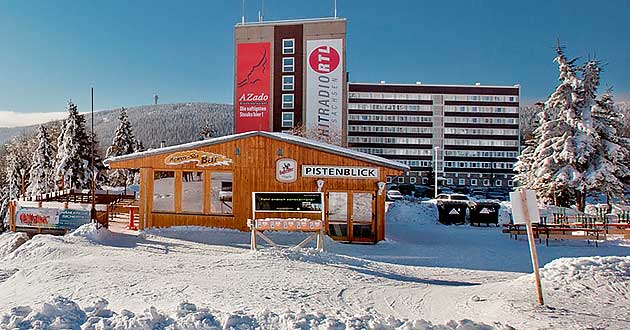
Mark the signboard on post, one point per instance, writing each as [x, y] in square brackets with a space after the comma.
[288, 202]
[525, 211]
[324, 90]
[253, 87]
[40, 217]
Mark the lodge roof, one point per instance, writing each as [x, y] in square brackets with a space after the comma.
[297, 140]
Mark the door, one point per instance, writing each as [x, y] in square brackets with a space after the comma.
[362, 219]
[338, 215]
[351, 216]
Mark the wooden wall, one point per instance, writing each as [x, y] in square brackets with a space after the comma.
[254, 169]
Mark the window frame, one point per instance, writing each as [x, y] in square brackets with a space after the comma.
[285, 49]
[288, 68]
[288, 87]
[285, 104]
[284, 120]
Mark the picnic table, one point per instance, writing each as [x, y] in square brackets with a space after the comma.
[558, 231]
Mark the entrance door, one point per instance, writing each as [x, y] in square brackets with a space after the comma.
[351, 216]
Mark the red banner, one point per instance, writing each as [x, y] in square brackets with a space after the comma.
[253, 86]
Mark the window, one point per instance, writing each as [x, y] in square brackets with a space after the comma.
[288, 64]
[388, 179]
[486, 182]
[510, 183]
[287, 83]
[221, 193]
[287, 101]
[288, 46]
[287, 119]
[449, 181]
[401, 179]
[412, 180]
[425, 180]
[192, 192]
[498, 183]
[461, 182]
[473, 182]
[164, 191]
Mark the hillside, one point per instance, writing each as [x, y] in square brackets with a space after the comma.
[173, 123]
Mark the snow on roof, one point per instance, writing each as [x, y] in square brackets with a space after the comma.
[333, 149]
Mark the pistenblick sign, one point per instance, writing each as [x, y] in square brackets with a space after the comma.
[348, 172]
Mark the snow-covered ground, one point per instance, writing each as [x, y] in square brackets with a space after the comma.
[423, 276]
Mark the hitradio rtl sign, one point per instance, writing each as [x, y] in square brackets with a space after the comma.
[324, 90]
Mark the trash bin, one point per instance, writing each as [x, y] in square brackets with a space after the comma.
[452, 212]
[485, 212]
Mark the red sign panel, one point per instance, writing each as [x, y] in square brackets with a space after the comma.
[253, 87]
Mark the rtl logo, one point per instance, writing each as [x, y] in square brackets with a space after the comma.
[324, 59]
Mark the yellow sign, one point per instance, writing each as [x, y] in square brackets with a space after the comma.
[202, 158]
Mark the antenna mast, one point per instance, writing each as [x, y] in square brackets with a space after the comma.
[335, 8]
[243, 13]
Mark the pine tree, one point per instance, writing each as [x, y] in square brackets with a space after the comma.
[73, 152]
[41, 178]
[564, 140]
[610, 171]
[124, 143]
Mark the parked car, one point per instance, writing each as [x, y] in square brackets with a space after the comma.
[407, 189]
[393, 195]
[456, 198]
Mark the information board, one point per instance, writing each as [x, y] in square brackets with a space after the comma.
[288, 202]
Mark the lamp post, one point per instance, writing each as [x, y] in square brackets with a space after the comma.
[435, 170]
[23, 172]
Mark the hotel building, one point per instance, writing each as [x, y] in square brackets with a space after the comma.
[472, 131]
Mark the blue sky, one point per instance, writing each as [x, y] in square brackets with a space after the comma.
[52, 51]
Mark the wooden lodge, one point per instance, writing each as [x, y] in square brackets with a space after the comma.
[225, 181]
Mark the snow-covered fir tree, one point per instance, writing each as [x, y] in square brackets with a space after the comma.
[73, 152]
[124, 143]
[609, 173]
[564, 142]
[41, 171]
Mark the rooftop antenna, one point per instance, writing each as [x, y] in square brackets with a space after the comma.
[243, 13]
[261, 13]
[335, 8]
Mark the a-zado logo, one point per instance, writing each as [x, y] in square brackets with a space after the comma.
[324, 59]
[254, 97]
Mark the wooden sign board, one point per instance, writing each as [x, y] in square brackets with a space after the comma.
[518, 207]
[288, 224]
[202, 158]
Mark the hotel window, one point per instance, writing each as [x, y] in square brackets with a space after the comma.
[510, 183]
[287, 83]
[449, 181]
[486, 182]
[462, 182]
[401, 179]
[287, 119]
[221, 192]
[288, 46]
[287, 101]
[388, 179]
[192, 192]
[425, 180]
[498, 183]
[473, 182]
[288, 64]
[412, 180]
[164, 191]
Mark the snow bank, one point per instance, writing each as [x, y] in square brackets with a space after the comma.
[606, 269]
[63, 313]
[412, 212]
[10, 241]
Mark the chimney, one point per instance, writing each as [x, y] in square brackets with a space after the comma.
[162, 144]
